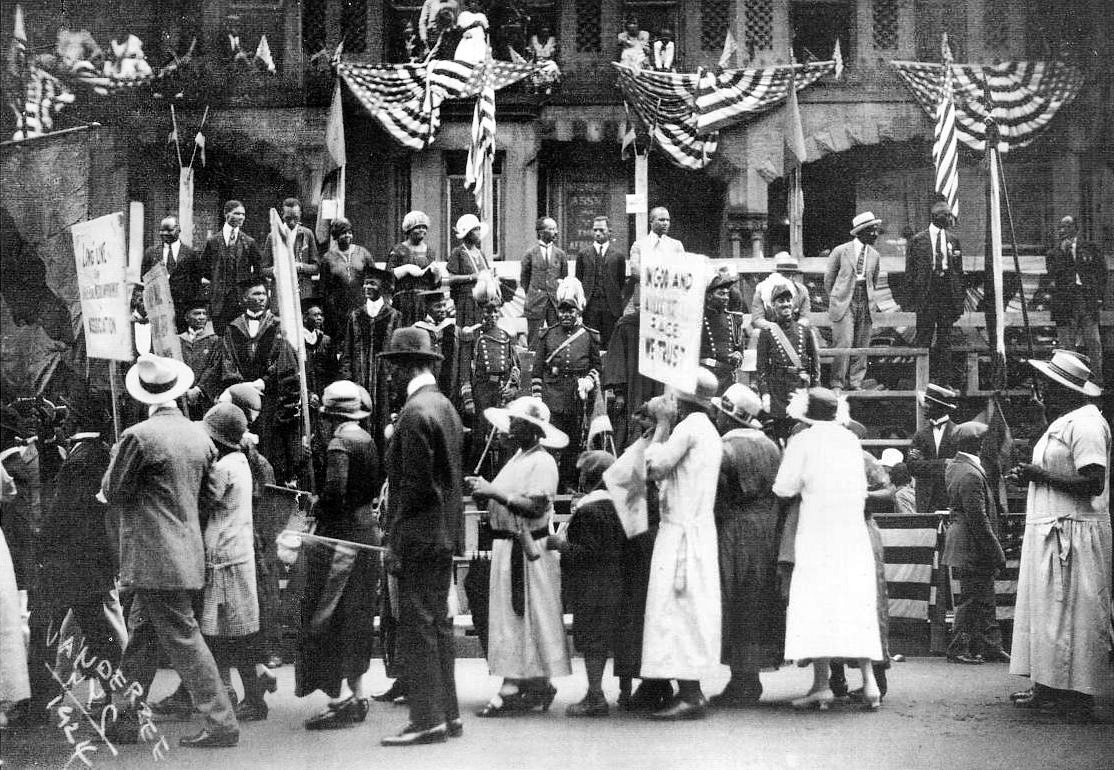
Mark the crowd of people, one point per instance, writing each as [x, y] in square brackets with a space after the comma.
[722, 526]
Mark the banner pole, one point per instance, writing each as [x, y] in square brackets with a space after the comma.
[114, 386]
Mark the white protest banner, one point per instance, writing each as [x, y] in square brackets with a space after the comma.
[160, 312]
[101, 256]
[672, 305]
[185, 205]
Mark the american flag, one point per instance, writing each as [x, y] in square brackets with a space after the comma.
[483, 140]
[684, 111]
[1024, 96]
[944, 148]
[406, 98]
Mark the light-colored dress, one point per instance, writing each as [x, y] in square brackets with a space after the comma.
[1061, 627]
[532, 644]
[230, 603]
[15, 684]
[634, 48]
[473, 44]
[833, 609]
[681, 638]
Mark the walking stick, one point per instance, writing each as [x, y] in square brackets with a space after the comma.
[483, 455]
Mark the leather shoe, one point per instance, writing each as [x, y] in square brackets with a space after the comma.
[251, 711]
[681, 709]
[734, 698]
[589, 707]
[455, 727]
[211, 740]
[651, 696]
[966, 658]
[338, 715]
[396, 690]
[177, 705]
[268, 682]
[413, 736]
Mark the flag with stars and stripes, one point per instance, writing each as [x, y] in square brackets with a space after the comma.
[945, 155]
[406, 98]
[482, 148]
[683, 112]
[1024, 96]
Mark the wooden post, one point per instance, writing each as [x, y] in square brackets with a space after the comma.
[922, 381]
[114, 387]
[135, 241]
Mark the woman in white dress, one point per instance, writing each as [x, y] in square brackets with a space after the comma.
[526, 633]
[473, 42]
[832, 596]
[1061, 628]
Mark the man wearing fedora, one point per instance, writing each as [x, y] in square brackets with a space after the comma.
[934, 277]
[426, 527]
[153, 485]
[542, 267]
[719, 350]
[787, 272]
[932, 446]
[849, 282]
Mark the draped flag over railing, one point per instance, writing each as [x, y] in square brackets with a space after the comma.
[406, 98]
[1025, 96]
[684, 111]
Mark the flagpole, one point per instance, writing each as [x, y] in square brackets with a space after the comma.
[1016, 258]
[204, 117]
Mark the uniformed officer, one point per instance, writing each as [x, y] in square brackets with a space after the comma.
[566, 371]
[719, 351]
[443, 334]
[494, 372]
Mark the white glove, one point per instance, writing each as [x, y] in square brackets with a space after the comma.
[766, 403]
[584, 386]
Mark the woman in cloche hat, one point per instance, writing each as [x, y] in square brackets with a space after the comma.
[1062, 617]
[526, 634]
[338, 631]
[464, 265]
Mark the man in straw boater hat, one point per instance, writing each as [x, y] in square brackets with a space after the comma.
[932, 447]
[719, 350]
[849, 282]
[1061, 630]
[746, 526]
[788, 271]
[153, 483]
[681, 639]
[494, 377]
[426, 513]
[566, 371]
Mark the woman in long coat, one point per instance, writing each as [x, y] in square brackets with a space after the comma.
[342, 276]
[526, 633]
[410, 261]
[682, 636]
[1061, 627]
[833, 610]
[338, 609]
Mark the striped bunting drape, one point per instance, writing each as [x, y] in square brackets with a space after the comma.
[406, 98]
[909, 544]
[1025, 96]
[945, 152]
[683, 111]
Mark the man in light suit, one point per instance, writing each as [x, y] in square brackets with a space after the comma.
[1077, 270]
[542, 267]
[305, 251]
[153, 485]
[657, 240]
[601, 270]
[849, 281]
[229, 258]
[973, 551]
[932, 446]
[182, 263]
[934, 279]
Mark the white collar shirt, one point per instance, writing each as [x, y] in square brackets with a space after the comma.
[939, 240]
[229, 231]
[423, 379]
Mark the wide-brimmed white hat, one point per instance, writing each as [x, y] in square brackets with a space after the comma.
[741, 404]
[863, 221]
[784, 261]
[1069, 370]
[156, 380]
[891, 457]
[467, 224]
[533, 410]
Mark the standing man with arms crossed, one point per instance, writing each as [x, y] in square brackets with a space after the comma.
[935, 282]
[427, 526]
[849, 282]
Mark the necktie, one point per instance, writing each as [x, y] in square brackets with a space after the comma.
[860, 263]
[169, 259]
[599, 250]
[939, 251]
[232, 236]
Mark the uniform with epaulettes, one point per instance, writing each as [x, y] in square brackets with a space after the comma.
[493, 381]
[561, 358]
[717, 343]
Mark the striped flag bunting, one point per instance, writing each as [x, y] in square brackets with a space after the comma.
[944, 149]
[406, 98]
[1024, 96]
[482, 148]
[909, 548]
[683, 111]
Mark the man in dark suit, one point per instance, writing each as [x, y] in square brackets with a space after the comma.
[1077, 270]
[182, 263]
[153, 484]
[425, 529]
[934, 281]
[972, 551]
[542, 267]
[602, 271]
[229, 258]
[932, 446]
